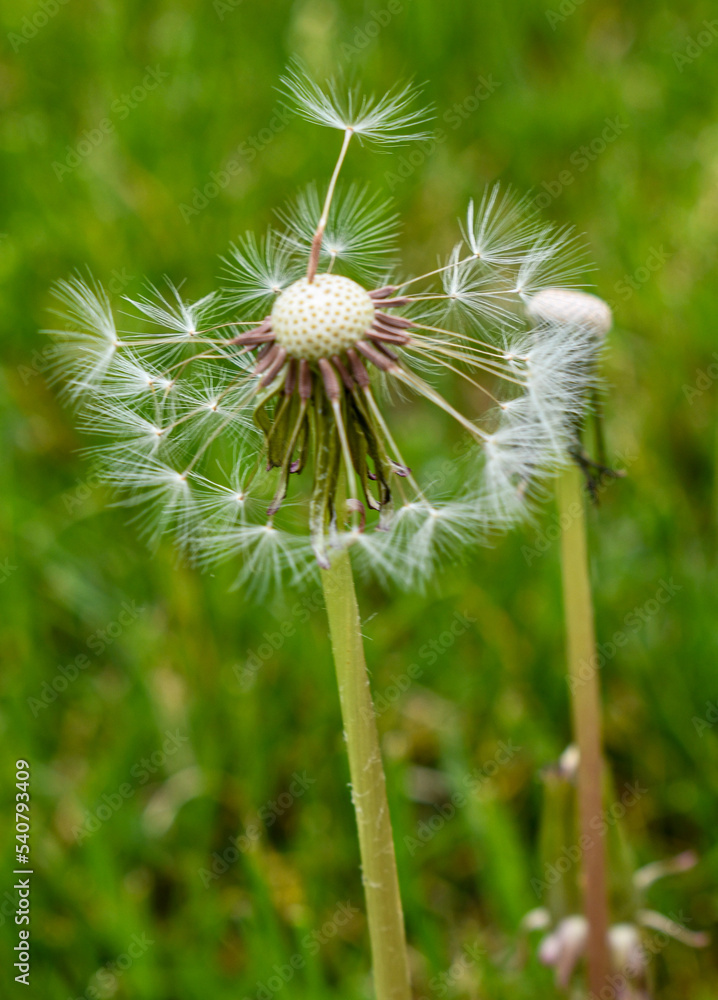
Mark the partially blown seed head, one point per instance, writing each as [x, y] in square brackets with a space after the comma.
[211, 411]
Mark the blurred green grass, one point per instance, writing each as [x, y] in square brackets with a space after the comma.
[71, 562]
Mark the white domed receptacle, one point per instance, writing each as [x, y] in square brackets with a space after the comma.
[322, 318]
[568, 305]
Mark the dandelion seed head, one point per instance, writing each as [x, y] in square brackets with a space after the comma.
[254, 424]
[319, 319]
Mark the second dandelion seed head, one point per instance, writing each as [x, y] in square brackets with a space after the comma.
[572, 307]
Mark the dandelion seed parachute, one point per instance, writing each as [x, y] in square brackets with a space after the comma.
[276, 378]
[259, 269]
[88, 342]
[361, 230]
[388, 119]
[172, 313]
[502, 228]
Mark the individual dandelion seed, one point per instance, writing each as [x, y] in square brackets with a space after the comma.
[361, 231]
[88, 344]
[286, 364]
[386, 120]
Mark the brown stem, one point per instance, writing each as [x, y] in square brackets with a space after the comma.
[586, 710]
[322, 224]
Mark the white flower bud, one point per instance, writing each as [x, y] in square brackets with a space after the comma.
[565, 305]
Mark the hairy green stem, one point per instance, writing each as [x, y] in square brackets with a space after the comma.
[376, 844]
[586, 709]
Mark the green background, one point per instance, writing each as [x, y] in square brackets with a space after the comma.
[648, 203]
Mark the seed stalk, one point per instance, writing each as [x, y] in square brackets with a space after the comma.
[376, 843]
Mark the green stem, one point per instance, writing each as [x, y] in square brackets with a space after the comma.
[586, 709]
[376, 844]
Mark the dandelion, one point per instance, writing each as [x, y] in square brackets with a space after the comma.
[286, 368]
[289, 361]
[581, 315]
